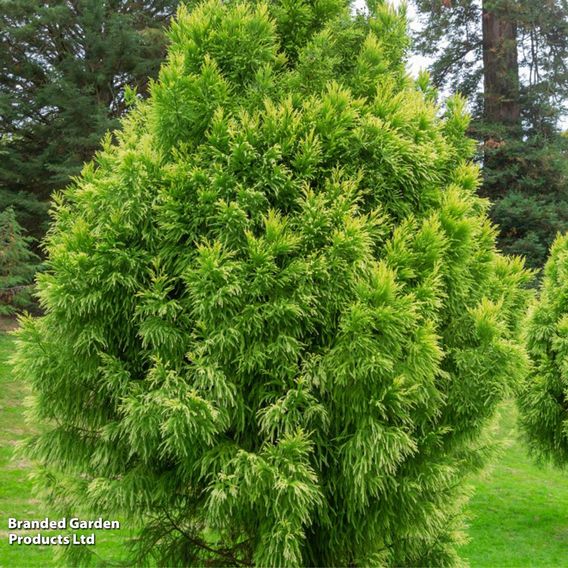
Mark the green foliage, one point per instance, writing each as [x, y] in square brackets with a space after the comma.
[543, 399]
[31, 213]
[17, 264]
[276, 323]
[527, 180]
[63, 70]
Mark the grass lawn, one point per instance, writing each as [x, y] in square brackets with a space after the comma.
[519, 512]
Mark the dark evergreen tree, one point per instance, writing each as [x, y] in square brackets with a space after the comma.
[276, 323]
[517, 52]
[532, 206]
[17, 265]
[543, 400]
[64, 65]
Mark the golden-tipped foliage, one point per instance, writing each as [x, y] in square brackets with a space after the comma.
[276, 321]
[543, 399]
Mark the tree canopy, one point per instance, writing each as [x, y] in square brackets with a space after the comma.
[64, 66]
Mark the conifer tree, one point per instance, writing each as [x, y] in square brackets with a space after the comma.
[64, 69]
[543, 400]
[276, 323]
[17, 264]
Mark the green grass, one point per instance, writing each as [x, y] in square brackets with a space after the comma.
[519, 514]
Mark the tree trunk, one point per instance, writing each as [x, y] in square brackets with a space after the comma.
[500, 63]
[502, 109]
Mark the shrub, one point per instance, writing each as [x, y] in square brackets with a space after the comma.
[17, 264]
[543, 400]
[276, 321]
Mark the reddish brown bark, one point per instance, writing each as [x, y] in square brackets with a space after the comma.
[500, 63]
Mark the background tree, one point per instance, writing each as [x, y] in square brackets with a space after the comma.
[64, 65]
[276, 322]
[509, 57]
[543, 400]
[17, 264]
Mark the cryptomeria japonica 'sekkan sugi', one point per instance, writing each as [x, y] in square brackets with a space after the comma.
[276, 323]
